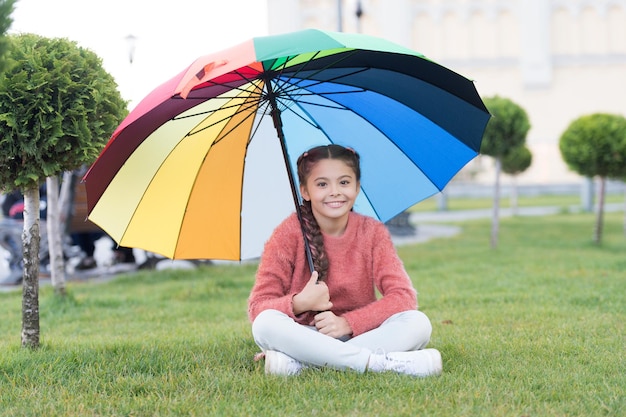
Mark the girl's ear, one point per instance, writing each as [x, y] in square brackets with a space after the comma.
[304, 193]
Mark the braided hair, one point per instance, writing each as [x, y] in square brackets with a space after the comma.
[312, 231]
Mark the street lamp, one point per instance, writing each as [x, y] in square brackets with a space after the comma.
[131, 42]
[339, 16]
[359, 13]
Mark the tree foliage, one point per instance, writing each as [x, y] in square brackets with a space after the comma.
[58, 107]
[507, 129]
[517, 160]
[505, 132]
[514, 162]
[6, 9]
[595, 145]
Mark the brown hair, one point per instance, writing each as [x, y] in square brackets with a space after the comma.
[312, 231]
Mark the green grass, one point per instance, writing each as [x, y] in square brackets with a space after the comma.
[533, 328]
[471, 203]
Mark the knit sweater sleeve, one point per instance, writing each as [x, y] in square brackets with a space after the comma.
[390, 279]
[279, 275]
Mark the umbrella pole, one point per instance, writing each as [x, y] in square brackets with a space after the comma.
[278, 125]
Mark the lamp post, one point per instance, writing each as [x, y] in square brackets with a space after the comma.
[131, 43]
[359, 13]
[339, 16]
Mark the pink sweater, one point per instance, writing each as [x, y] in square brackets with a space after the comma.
[362, 261]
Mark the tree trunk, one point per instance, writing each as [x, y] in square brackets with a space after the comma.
[64, 199]
[514, 195]
[586, 195]
[496, 206]
[597, 231]
[30, 286]
[624, 209]
[442, 201]
[55, 248]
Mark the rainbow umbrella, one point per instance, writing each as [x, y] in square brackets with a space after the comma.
[203, 167]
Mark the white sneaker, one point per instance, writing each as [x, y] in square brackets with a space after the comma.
[420, 363]
[277, 363]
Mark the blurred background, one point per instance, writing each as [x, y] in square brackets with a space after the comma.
[558, 59]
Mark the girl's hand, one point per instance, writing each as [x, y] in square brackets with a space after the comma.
[313, 297]
[331, 325]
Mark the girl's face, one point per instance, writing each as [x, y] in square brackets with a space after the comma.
[332, 188]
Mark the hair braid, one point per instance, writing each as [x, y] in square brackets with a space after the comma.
[312, 230]
[316, 240]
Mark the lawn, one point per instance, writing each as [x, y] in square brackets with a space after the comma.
[565, 201]
[533, 328]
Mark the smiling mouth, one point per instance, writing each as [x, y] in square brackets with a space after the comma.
[335, 204]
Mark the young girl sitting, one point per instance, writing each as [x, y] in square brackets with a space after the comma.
[332, 317]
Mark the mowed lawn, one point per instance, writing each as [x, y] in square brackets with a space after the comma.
[532, 328]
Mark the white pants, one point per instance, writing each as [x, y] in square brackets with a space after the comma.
[402, 332]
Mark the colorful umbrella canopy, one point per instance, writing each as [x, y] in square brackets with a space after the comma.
[202, 167]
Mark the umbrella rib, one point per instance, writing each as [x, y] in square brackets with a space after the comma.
[281, 83]
[343, 56]
[244, 109]
[330, 140]
[283, 66]
[298, 103]
[257, 92]
[285, 103]
[251, 114]
[216, 110]
[310, 122]
[264, 112]
[288, 79]
[232, 88]
[291, 99]
[254, 93]
[312, 103]
[295, 86]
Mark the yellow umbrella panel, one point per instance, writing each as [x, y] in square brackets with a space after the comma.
[186, 190]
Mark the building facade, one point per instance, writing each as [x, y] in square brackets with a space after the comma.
[558, 59]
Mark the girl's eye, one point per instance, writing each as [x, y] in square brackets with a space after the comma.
[321, 184]
[345, 182]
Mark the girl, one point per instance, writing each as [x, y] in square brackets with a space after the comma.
[332, 317]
